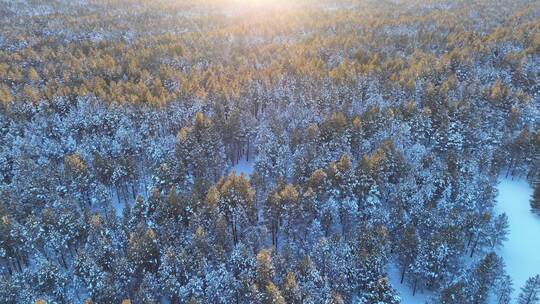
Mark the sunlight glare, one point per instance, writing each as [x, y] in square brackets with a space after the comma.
[260, 4]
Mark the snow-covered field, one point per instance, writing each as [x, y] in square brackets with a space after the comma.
[521, 252]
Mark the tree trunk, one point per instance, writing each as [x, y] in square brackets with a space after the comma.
[63, 260]
[19, 264]
[273, 235]
[133, 191]
[530, 297]
[470, 239]
[247, 154]
[474, 245]
[233, 228]
[275, 232]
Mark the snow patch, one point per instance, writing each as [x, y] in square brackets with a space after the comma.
[521, 252]
[244, 166]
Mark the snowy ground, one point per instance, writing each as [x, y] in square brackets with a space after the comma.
[404, 291]
[245, 167]
[521, 252]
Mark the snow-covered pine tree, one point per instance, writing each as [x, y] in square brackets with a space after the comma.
[530, 293]
[535, 199]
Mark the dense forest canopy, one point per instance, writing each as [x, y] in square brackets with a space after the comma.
[375, 132]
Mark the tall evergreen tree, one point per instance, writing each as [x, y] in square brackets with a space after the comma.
[272, 295]
[530, 293]
[535, 200]
[291, 292]
[265, 268]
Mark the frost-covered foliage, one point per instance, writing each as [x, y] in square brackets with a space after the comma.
[376, 135]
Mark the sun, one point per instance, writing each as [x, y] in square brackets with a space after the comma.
[260, 3]
[254, 1]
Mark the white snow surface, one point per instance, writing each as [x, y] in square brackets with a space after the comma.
[405, 292]
[521, 252]
[244, 166]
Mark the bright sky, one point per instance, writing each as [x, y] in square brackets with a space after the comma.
[262, 4]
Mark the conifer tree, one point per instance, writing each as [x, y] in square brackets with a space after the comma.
[336, 298]
[272, 295]
[78, 174]
[500, 230]
[380, 291]
[280, 202]
[530, 293]
[485, 274]
[535, 200]
[143, 249]
[503, 289]
[291, 292]
[407, 249]
[265, 268]
[234, 198]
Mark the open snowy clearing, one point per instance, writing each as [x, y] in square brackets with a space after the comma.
[521, 251]
[245, 167]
